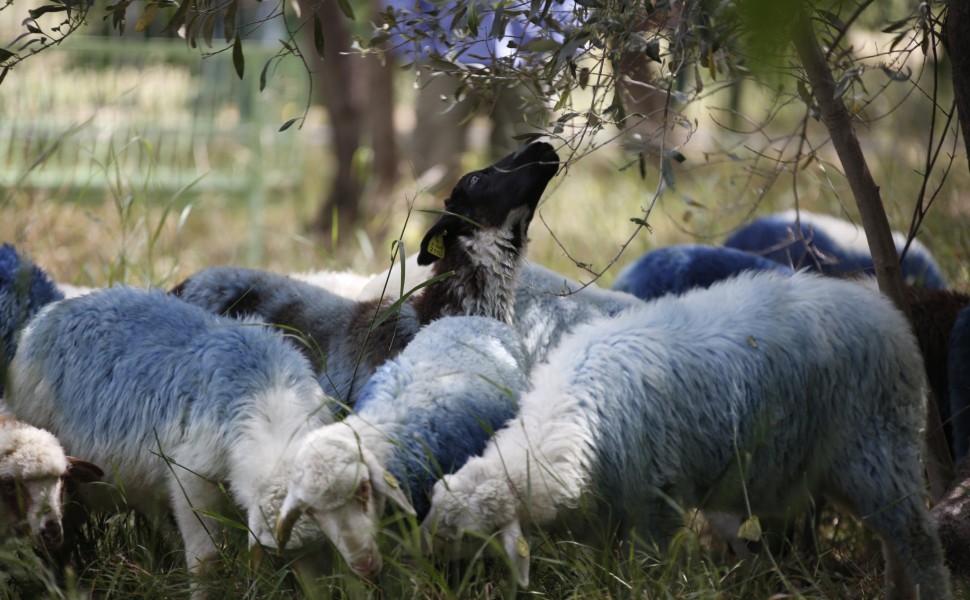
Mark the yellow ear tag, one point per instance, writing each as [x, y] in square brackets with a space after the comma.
[390, 480]
[750, 530]
[522, 547]
[436, 245]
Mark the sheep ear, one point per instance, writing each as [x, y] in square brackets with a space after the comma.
[434, 242]
[83, 471]
[517, 549]
[387, 485]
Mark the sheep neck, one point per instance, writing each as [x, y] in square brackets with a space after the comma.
[485, 267]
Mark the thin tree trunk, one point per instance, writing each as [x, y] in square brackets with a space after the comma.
[338, 82]
[839, 124]
[956, 39]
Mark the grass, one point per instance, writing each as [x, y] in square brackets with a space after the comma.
[137, 235]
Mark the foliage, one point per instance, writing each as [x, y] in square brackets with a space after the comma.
[44, 26]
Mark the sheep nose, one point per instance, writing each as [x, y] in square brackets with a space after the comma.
[52, 535]
[366, 565]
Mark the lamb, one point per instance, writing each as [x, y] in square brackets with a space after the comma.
[791, 386]
[479, 242]
[829, 245]
[33, 473]
[175, 401]
[676, 269]
[422, 414]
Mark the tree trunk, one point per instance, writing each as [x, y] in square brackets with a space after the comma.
[956, 39]
[874, 221]
[338, 81]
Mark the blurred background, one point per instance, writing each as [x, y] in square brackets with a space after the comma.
[135, 156]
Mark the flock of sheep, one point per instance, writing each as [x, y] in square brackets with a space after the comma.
[487, 396]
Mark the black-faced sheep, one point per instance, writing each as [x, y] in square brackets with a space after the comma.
[480, 241]
[762, 388]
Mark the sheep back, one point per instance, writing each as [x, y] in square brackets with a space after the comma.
[442, 398]
[548, 305]
[24, 290]
[829, 245]
[676, 269]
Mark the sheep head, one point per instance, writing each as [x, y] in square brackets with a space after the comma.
[341, 486]
[472, 501]
[33, 473]
[502, 196]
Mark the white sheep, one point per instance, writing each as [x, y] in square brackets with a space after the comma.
[422, 414]
[174, 401]
[479, 242]
[791, 386]
[33, 473]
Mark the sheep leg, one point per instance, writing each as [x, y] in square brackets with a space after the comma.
[201, 534]
[885, 490]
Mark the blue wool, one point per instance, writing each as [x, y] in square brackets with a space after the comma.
[24, 290]
[442, 398]
[676, 269]
[789, 373]
[959, 378]
[140, 368]
[830, 246]
[316, 321]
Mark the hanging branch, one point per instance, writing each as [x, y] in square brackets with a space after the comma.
[874, 221]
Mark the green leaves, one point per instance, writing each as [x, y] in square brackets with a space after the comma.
[238, 61]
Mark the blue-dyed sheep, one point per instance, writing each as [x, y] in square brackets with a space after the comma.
[422, 414]
[829, 245]
[174, 401]
[676, 269]
[480, 242]
[790, 386]
[24, 290]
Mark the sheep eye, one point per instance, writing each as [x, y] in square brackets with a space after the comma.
[472, 180]
[363, 493]
[9, 486]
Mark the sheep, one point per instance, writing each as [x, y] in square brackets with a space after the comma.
[829, 245]
[24, 289]
[679, 268]
[762, 389]
[480, 241]
[676, 269]
[422, 414]
[33, 474]
[175, 400]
